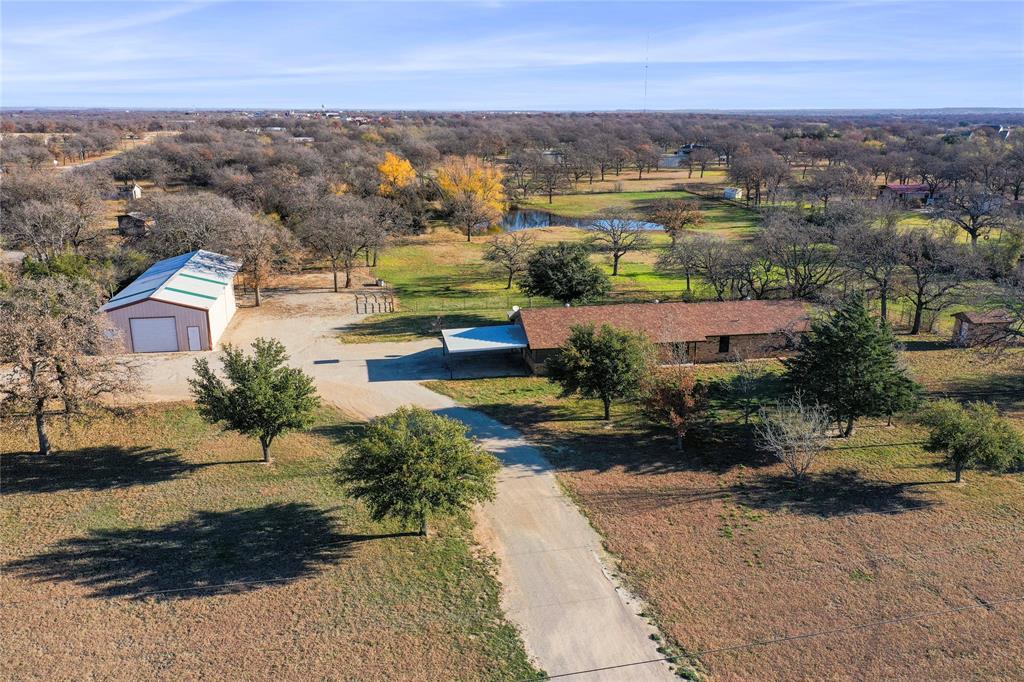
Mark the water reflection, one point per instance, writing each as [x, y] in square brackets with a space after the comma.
[514, 221]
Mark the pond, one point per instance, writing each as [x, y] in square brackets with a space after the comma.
[519, 219]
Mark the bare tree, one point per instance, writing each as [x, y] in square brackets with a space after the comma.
[645, 157]
[264, 246]
[519, 172]
[387, 219]
[186, 222]
[51, 217]
[876, 254]
[57, 353]
[617, 232]
[801, 250]
[794, 432]
[937, 267]
[509, 252]
[973, 208]
[703, 157]
[680, 258]
[549, 177]
[836, 181]
[337, 228]
[753, 271]
[711, 258]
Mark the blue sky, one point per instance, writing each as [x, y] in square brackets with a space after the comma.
[513, 55]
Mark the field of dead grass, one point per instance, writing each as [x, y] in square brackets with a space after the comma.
[157, 548]
[729, 553]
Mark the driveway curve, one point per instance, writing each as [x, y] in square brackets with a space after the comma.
[557, 581]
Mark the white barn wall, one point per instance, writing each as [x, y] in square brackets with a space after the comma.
[220, 313]
[184, 317]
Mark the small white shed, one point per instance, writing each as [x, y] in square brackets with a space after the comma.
[181, 303]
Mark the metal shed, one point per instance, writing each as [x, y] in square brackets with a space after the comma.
[181, 303]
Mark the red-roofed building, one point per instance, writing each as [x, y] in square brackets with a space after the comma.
[908, 194]
[696, 332]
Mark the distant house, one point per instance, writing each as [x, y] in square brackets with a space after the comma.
[129, 192]
[973, 328]
[912, 195]
[180, 303]
[687, 332]
[134, 224]
[734, 193]
[993, 131]
[302, 140]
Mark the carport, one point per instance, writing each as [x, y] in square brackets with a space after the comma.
[478, 341]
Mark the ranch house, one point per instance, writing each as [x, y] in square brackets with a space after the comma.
[683, 332]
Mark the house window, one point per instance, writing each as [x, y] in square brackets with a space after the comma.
[723, 344]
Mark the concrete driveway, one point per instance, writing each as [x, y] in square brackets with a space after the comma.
[555, 573]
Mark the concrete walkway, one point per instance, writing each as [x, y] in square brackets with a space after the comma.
[554, 572]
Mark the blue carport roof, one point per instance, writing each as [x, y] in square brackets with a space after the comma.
[481, 339]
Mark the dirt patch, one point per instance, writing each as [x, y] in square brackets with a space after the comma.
[729, 552]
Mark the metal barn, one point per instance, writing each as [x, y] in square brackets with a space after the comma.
[179, 304]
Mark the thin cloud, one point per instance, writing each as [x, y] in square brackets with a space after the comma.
[125, 20]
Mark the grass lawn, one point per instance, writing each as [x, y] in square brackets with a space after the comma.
[118, 548]
[728, 551]
[442, 281]
[723, 219]
[661, 179]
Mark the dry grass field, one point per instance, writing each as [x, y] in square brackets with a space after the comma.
[730, 553]
[158, 548]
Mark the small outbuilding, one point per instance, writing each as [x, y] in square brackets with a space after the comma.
[972, 328]
[130, 192]
[181, 303]
[733, 193]
[134, 224]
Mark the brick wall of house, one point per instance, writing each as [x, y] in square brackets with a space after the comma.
[754, 346]
[745, 347]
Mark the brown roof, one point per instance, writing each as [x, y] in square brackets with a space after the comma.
[985, 316]
[667, 322]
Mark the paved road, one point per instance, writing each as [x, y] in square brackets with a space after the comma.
[553, 569]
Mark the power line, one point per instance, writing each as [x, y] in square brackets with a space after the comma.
[985, 604]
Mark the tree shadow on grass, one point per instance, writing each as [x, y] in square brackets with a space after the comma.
[342, 433]
[912, 344]
[831, 494]
[636, 449]
[238, 550]
[1004, 389]
[93, 468]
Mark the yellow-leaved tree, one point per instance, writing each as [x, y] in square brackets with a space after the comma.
[473, 193]
[395, 173]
